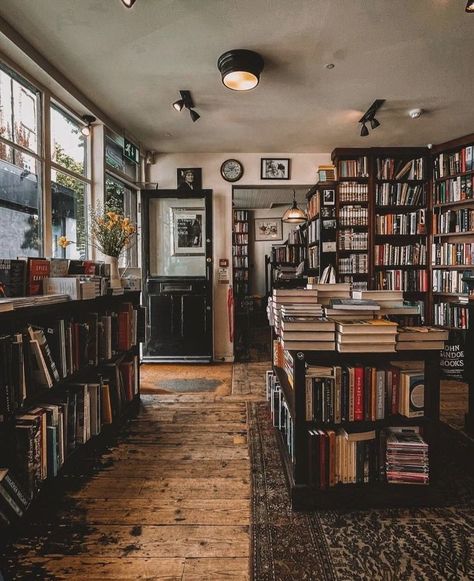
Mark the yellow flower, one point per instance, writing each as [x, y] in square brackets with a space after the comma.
[126, 221]
[63, 242]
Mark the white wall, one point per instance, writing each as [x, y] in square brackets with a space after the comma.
[303, 171]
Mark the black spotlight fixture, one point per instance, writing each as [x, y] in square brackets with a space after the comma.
[88, 120]
[128, 3]
[240, 69]
[186, 102]
[470, 6]
[369, 117]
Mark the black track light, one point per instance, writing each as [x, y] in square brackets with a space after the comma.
[178, 105]
[194, 116]
[128, 3]
[374, 123]
[470, 6]
[364, 131]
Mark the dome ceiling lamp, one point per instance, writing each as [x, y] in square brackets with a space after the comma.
[294, 215]
[240, 69]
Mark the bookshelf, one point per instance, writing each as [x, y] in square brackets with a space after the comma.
[452, 256]
[87, 384]
[322, 227]
[377, 493]
[241, 282]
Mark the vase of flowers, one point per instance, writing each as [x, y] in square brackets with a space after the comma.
[112, 233]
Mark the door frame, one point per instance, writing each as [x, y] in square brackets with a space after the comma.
[146, 196]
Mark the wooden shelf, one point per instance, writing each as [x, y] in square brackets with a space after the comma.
[470, 233]
[399, 266]
[454, 176]
[400, 181]
[456, 203]
[441, 294]
[398, 208]
[452, 266]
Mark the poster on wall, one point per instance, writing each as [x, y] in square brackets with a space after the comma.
[452, 356]
[188, 225]
[268, 229]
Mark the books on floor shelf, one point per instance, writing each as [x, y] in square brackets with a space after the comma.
[407, 459]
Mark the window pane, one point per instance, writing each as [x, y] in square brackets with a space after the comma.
[126, 200]
[19, 111]
[69, 201]
[114, 157]
[68, 145]
[20, 199]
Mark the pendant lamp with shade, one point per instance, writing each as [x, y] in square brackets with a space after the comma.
[294, 215]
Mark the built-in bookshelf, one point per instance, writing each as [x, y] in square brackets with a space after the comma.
[452, 248]
[240, 253]
[69, 373]
[322, 227]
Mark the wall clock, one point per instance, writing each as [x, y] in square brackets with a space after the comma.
[232, 170]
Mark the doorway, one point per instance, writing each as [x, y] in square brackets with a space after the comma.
[177, 269]
[259, 236]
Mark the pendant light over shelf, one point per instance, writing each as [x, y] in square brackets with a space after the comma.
[240, 69]
[294, 215]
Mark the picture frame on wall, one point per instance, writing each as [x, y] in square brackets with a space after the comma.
[329, 197]
[189, 179]
[268, 229]
[274, 168]
[187, 230]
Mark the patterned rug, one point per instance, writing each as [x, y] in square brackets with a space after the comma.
[392, 544]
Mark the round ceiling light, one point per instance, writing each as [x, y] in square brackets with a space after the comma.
[240, 69]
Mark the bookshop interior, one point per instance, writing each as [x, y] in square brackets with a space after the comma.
[236, 290]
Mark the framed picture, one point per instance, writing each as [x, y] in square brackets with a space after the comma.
[187, 228]
[268, 229]
[329, 197]
[274, 168]
[189, 179]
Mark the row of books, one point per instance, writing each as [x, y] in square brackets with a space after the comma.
[241, 238]
[449, 281]
[326, 173]
[402, 280]
[280, 413]
[44, 436]
[461, 220]
[353, 192]
[313, 231]
[395, 255]
[450, 315]
[241, 288]
[353, 216]
[40, 357]
[24, 277]
[350, 240]
[241, 227]
[454, 190]
[409, 223]
[398, 169]
[241, 275]
[400, 194]
[399, 455]
[240, 261]
[313, 257]
[353, 168]
[284, 253]
[447, 164]
[240, 250]
[241, 215]
[313, 206]
[354, 263]
[452, 254]
[296, 236]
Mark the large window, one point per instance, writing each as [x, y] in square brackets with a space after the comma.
[124, 198]
[20, 167]
[69, 184]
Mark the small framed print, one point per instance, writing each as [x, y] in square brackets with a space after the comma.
[274, 168]
[268, 229]
[189, 179]
[188, 225]
[329, 197]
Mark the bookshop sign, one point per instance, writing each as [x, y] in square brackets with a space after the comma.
[452, 356]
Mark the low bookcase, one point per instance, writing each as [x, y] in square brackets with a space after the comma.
[374, 494]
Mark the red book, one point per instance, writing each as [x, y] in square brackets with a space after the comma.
[395, 389]
[124, 331]
[358, 393]
[38, 269]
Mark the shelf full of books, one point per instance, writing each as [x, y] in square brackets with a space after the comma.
[240, 254]
[356, 394]
[68, 371]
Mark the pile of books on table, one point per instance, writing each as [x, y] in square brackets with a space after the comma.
[390, 302]
[421, 338]
[407, 460]
[366, 336]
[343, 309]
[310, 331]
[305, 299]
[328, 291]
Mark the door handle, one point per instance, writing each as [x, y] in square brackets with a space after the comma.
[209, 260]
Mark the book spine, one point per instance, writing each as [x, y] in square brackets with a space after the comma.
[358, 394]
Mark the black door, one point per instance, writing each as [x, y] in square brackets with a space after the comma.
[177, 267]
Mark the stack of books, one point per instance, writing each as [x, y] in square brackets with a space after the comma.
[348, 309]
[286, 297]
[421, 338]
[326, 292]
[326, 173]
[310, 331]
[366, 336]
[407, 460]
[390, 302]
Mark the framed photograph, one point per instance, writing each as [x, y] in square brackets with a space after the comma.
[187, 230]
[329, 197]
[274, 168]
[189, 179]
[268, 229]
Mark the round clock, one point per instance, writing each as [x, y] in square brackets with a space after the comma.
[232, 170]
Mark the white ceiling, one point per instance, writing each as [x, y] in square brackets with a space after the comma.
[267, 197]
[414, 53]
